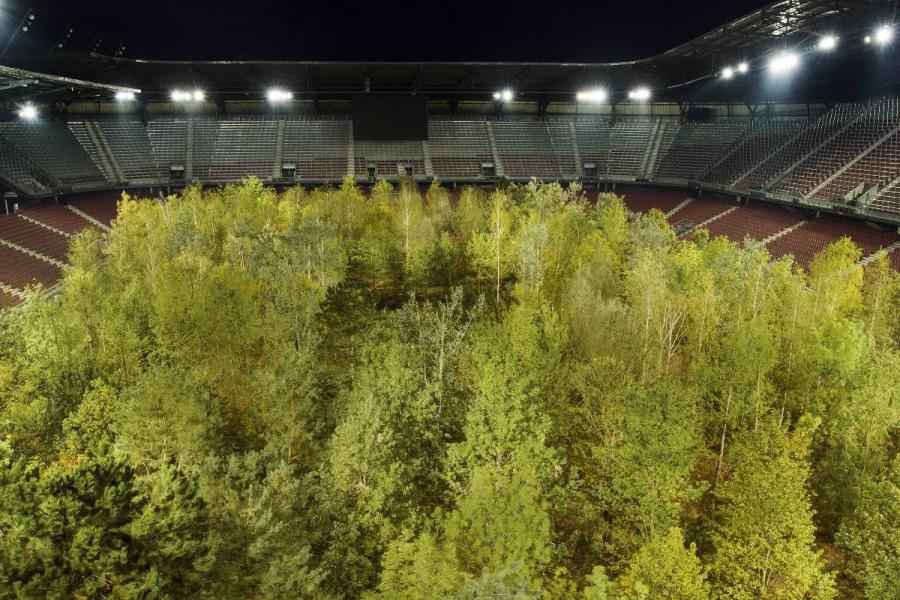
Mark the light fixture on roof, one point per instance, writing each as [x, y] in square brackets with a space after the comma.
[596, 95]
[28, 112]
[504, 95]
[884, 35]
[183, 96]
[727, 73]
[126, 96]
[784, 62]
[277, 95]
[641, 94]
[743, 67]
[827, 43]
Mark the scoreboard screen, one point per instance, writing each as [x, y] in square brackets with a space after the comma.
[380, 117]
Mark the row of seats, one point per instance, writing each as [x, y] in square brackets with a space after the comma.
[793, 156]
[810, 238]
[875, 122]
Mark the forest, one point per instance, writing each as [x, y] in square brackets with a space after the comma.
[409, 394]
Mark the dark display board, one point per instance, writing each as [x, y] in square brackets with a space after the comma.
[380, 117]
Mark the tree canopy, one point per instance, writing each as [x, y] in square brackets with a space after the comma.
[406, 394]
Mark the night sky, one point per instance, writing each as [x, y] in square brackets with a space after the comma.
[457, 30]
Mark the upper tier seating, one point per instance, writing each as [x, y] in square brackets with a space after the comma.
[389, 158]
[52, 148]
[318, 148]
[231, 149]
[458, 148]
[799, 146]
[696, 148]
[877, 120]
[888, 201]
[129, 141]
[848, 150]
[763, 139]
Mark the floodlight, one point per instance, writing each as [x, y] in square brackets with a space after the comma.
[827, 43]
[180, 96]
[198, 96]
[884, 35]
[506, 95]
[783, 62]
[727, 73]
[743, 68]
[28, 112]
[597, 95]
[276, 95]
[868, 39]
[126, 96]
[640, 94]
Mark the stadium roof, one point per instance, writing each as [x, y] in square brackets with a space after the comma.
[688, 72]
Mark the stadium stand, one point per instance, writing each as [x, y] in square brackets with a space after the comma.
[389, 159]
[52, 148]
[168, 142]
[643, 200]
[317, 147]
[231, 149]
[22, 232]
[459, 148]
[100, 207]
[700, 210]
[57, 217]
[762, 139]
[696, 147]
[878, 119]
[766, 172]
[758, 222]
[21, 270]
[805, 241]
[894, 259]
[130, 143]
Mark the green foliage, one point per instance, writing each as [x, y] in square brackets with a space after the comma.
[765, 535]
[94, 530]
[664, 568]
[239, 393]
[872, 535]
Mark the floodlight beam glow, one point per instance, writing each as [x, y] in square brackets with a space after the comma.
[641, 94]
[183, 96]
[126, 96]
[727, 73]
[504, 95]
[884, 35]
[28, 112]
[276, 95]
[827, 43]
[597, 96]
[784, 62]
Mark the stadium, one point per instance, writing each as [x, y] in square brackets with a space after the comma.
[461, 329]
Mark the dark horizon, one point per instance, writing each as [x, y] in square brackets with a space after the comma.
[533, 31]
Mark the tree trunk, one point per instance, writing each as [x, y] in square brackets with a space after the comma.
[722, 441]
